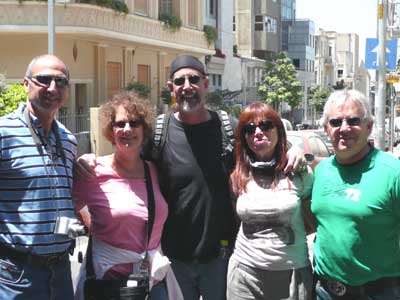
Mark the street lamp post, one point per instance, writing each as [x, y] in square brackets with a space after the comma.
[381, 94]
[50, 23]
[305, 102]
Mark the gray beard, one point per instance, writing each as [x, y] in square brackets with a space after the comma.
[190, 106]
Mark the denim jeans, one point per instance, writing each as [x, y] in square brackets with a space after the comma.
[159, 292]
[389, 293]
[21, 281]
[202, 279]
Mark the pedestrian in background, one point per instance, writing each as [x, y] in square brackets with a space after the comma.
[37, 154]
[270, 260]
[356, 202]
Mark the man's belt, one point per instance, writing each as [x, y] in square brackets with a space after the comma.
[338, 288]
[33, 259]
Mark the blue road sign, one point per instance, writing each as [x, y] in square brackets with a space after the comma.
[371, 57]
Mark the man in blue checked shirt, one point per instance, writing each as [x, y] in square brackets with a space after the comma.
[36, 158]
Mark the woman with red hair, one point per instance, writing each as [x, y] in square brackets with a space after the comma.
[270, 259]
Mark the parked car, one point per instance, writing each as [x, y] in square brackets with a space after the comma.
[373, 136]
[325, 138]
[287, 124]
[310, 143]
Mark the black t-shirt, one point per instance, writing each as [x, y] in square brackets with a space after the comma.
[195, 183]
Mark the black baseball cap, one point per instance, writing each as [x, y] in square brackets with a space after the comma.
[186, 61]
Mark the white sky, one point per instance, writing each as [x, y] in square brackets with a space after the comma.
[343, 16]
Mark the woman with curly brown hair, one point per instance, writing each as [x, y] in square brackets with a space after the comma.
[270, 259]
[118, 197]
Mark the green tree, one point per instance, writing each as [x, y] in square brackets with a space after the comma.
[11, 97]
[317, 97]
[215, 100]
[340, 85]
[140, 88]
[279, 83]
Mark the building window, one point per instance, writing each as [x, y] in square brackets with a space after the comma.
[141, 7]
[192, 12]
[166, 74]
[216, 81]
[296, 63]
[233, 23]
[265, 23]
[270, 24]
[166, 7]
[212, 7]
[340, 73]
[143, 74]
[258, 23]
[114, 76]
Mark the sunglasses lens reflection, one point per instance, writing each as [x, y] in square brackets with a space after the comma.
[355, 121]
[265, 126]
[46, 80]
[132, 124]
[193, 79]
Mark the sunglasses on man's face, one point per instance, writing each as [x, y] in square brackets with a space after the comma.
[337, 122]
[265, 126]
[132, 123]
[61, 82]
[193, 79]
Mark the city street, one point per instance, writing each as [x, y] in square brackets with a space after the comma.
[81, 245]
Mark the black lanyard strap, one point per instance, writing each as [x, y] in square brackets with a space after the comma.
[39, 141]
[149, 225]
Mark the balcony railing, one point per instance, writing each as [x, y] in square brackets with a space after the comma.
[87, 19]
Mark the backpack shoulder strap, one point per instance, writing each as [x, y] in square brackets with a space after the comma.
[160, 134]
[227, 131]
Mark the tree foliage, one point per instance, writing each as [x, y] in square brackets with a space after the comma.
[279, 82]
[215, 100]
[318, 96]
[340, 85]
[140, 88]
[10, 97]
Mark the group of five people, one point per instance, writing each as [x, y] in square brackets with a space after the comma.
[196, 201]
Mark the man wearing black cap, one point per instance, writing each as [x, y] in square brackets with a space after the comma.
[196, 186]
[195, 183]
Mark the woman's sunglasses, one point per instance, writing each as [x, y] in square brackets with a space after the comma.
[337, 122]
[61, 82]
[132, 123]
[193, 79]
[265, 126]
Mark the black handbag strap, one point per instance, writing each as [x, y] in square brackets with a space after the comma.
[149, 226]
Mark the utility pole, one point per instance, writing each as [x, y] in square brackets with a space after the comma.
[305, 102]
[380, 103]
[50, 24]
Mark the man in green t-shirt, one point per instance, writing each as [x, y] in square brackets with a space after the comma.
[356, 201]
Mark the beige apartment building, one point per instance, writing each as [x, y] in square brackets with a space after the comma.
[104, 49]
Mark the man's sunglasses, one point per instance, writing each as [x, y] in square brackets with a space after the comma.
[132, 123]
[61, 82]
[193, 79]
[337, 122]
[265, 126]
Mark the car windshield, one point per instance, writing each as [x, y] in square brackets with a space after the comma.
[324, 137]
[297, 141]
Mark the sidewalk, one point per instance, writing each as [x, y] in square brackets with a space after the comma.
[81, 245]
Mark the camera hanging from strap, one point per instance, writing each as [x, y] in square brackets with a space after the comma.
[143, 265]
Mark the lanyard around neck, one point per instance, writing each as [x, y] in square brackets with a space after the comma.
[39, 140]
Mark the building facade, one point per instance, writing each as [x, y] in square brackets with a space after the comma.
[104, 49]
[337, 56]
